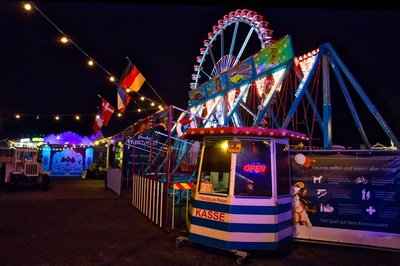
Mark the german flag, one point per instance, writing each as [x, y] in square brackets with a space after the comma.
[132, 79]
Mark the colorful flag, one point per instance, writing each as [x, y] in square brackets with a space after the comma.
[131, 78]
[98, 124]
[106, 111]
[123, 99]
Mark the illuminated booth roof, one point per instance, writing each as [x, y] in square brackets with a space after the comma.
[199, 133]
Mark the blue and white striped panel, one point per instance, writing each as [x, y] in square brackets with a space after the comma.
[246, 224]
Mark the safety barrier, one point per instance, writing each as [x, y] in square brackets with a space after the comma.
[186, 187]
[148, 198]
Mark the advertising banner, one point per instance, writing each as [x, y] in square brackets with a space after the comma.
[347, 197]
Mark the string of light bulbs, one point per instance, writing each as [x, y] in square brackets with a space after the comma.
[91, 62]
[78, 117]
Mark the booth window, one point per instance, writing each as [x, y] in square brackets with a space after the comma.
[282, 169]
[215, 168]
[253, 169]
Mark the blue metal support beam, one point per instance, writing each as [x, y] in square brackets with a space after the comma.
[364, 97]
[350, 104]
[327, 105]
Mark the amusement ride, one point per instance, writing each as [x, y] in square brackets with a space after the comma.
[245, 78]
[252, 94]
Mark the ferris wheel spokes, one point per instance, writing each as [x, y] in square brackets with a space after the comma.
[212, 58]
[234, 37]
[222, 44]
[246, 41]
[202, 71]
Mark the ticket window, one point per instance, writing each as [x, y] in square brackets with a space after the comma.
[215, 168]
[253, 169]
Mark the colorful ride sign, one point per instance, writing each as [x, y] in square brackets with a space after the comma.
[270, 59]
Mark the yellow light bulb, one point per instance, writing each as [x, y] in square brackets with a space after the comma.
[27, 7]
[64, 39]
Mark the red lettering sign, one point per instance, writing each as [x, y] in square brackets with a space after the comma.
[197, 212]
[256, 168]
[210, 214]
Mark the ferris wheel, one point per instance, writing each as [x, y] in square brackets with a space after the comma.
[240, 33]
[237, 36]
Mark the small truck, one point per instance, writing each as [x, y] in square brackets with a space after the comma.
[21, 167]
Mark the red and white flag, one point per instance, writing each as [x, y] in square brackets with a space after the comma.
[97, 124]
[106, 111]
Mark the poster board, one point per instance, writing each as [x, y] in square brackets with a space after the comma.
[347, 197]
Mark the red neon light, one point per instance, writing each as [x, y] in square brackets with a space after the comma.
[255, 168]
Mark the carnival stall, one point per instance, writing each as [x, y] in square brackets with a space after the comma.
[242, 197]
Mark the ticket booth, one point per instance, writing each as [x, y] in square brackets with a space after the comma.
[241, 198]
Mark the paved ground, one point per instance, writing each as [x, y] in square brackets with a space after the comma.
[79, 222]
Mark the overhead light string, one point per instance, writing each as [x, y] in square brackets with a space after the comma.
[28, 6]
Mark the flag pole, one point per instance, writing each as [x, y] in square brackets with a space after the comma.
[156, 92]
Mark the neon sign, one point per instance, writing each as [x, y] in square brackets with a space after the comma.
[255, 168]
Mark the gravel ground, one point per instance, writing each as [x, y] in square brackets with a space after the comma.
[79, 222]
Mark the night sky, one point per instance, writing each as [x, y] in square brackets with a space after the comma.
[41, 78]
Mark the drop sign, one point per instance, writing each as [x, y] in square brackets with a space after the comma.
[234, 146]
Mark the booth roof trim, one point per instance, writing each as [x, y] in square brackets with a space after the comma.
[199, 133]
